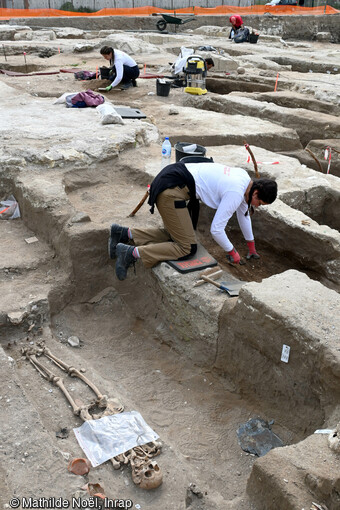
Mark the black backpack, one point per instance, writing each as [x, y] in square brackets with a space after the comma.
[242, 35]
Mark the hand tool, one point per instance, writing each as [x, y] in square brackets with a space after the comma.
[213, 275]
[230, 292]
[140, 203]
[257, 175]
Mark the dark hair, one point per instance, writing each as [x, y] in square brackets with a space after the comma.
[106, 50]
[267, 191]
[209, 61]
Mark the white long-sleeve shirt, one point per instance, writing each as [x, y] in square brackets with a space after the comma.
[222, 188]
[121, 59]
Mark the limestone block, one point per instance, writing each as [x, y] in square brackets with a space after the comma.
[7, 32]
[80, 217]
[223, 63]
[90, 35]
[24, 35]
[73, 341]
[323, 36]
[157, 39]
[270, 38]
[281, 225]
[69, 33]
[294, 476]
[129, 44]
[213, 31]
[106, 33]
[17, 317]
[44, 35]
[263, 63]
[84, 47]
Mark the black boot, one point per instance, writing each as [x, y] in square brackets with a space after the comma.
[118, 234]
[125, 259]
[134, 83]
[126, 85]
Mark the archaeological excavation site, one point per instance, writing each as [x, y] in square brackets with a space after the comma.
[204, 382]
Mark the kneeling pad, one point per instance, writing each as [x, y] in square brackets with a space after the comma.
[200, 260]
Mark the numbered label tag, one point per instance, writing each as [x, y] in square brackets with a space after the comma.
[285, 353]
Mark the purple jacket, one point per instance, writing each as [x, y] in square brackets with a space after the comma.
[89, 97]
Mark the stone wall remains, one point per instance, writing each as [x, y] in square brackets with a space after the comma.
[287, 27]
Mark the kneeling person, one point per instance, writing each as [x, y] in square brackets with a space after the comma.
[124, 69]
[176, 192]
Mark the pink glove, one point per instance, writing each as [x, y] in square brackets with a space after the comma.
[252, 254]
[233, 256]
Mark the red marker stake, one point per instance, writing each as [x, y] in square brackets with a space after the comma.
[277, 79]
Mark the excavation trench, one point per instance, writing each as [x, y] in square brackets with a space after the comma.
[228, 85]
[194, 362]
[317, 203]
[305, 67]
[24, 68]
[132, 349]
[149, 299]
[155, 344]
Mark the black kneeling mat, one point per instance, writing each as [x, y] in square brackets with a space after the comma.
[201, 260]
[130, 113]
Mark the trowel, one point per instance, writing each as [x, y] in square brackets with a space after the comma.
[232, 290]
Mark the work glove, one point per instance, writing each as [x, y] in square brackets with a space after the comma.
[108, 88]
[233, 256]
[252, 254]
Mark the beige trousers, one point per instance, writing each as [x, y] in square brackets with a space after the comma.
[175, 239]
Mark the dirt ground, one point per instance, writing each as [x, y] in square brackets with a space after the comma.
[195, 411]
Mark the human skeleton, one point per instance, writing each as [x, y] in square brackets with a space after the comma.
[145, 472]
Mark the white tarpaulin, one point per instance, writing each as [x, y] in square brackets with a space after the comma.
[111, 435]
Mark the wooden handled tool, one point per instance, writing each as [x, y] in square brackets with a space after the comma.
[140, 203]
[214, 273]
[257, 175]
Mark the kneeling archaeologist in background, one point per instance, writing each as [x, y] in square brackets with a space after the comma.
[123, 69]
[236, 23]
[176, 191]
[239, 33]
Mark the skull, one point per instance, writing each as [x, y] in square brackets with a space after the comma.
[146, 473]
